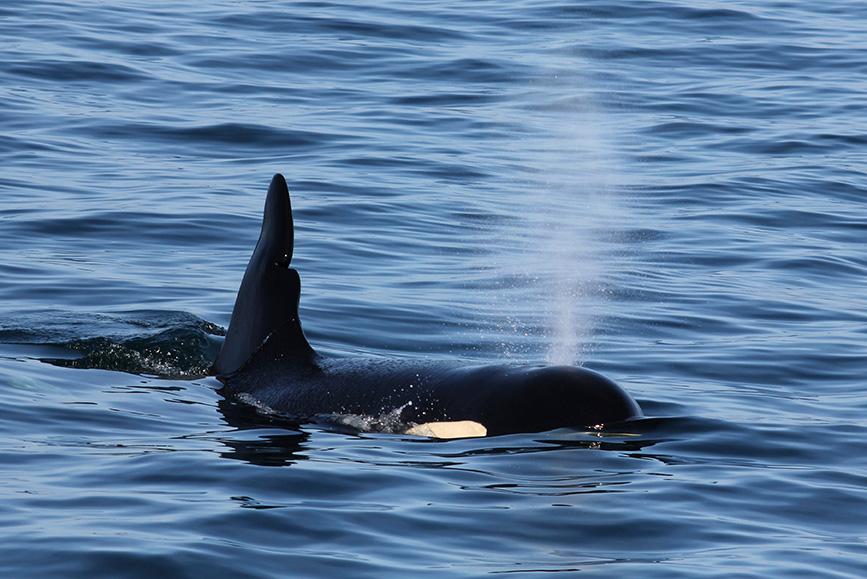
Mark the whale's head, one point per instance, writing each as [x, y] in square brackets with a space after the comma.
[270, 291]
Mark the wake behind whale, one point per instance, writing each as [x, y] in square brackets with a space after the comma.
[266, 361]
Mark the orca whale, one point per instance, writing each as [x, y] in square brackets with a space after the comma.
[267, 362]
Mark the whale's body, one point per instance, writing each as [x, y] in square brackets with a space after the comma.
[267, 361]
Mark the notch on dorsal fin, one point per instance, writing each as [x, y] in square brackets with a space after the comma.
[269, 293]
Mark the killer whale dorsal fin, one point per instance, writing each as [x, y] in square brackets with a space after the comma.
[269, 293]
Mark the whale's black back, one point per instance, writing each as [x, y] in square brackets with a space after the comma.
[503, 398]
[266, 359]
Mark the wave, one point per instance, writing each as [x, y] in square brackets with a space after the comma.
[164, 344]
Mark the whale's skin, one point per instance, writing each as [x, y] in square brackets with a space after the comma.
[503, 398]
[267, 360]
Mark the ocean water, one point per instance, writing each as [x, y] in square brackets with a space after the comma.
[670, 192]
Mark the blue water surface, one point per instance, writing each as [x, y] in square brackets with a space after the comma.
[670, 192]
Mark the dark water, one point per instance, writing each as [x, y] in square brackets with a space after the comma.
[670, 192]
